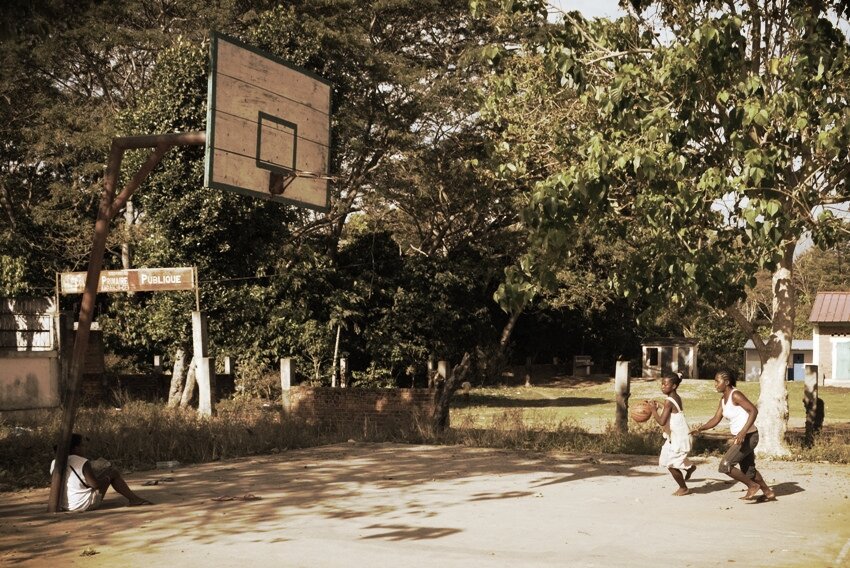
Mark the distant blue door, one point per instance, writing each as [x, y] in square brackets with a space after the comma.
[799, 366]
[841, 372]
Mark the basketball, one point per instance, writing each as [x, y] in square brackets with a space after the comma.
[641, 412]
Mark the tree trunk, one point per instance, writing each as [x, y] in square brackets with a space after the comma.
[445, 391]
[177, 377]
[317, 371]
[773, 399]
[497, 361]
[189, 389]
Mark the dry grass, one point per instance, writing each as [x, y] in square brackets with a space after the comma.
[139, 434]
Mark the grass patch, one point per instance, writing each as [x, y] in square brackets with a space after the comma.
[570, 415]
[592, 403]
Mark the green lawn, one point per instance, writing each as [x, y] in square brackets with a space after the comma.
[591, 404]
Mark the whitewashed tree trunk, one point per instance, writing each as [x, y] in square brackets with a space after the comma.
[189, 389]
[177, 376]
[773, 399]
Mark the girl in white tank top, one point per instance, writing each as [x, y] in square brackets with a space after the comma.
[739, 462]
[735, 414]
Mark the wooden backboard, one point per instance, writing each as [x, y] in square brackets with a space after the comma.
[268, 127]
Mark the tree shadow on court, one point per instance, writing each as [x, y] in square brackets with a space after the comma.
[378, 482]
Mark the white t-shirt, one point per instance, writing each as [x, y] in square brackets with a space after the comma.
[77, 495]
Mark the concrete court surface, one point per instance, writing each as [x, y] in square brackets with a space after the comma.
[402, 505]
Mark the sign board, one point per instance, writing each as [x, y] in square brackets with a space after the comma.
[268, 127]
[134, 280]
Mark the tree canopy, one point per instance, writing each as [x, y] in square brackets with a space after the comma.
[404, 264]
[714, 138]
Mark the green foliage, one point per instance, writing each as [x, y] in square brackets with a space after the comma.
[708, 154]
[12, 279]
[425, 207]
[373, 377]
[721, 344]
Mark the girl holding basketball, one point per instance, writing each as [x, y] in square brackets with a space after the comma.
[677, 444]
[741, 414]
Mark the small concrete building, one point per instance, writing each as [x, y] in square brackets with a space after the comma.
[670, 354]
[830, 319]
[801, 354]
[30, 366]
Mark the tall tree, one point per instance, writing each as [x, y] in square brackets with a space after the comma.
[719, 139]
[399, 105]
[76, 64]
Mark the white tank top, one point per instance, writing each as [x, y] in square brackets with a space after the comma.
[735, 414]
[77, 495]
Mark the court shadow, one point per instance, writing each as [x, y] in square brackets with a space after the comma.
[405, 532]
[787, 488]
[710, 486]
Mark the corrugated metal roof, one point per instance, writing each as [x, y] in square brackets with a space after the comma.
[796, 345]
[665, 341]
[831, 307]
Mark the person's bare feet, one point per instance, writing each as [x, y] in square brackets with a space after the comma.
[682, 491]
[751, 493]
[769, 495]
[138, 502]
[689, 472]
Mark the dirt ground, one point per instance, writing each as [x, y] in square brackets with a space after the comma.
[389, 504]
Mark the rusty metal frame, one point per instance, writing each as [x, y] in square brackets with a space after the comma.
[110, 205]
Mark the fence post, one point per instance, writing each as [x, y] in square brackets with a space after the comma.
[286, 383]
[443, 371]
[204, 365]
[622, 388]
[343, 372]
[205, 374]
[432, 371]
[812, 404]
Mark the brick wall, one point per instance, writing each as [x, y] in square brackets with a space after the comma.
[336, 408]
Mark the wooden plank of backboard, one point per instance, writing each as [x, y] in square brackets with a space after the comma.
[277, 147]
[275, 76]
[239, 136]
[237, 171]
[240, 99]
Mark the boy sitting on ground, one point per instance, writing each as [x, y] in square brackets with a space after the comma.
[86, 482]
